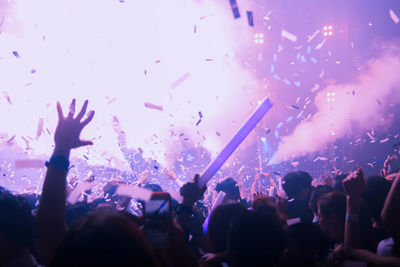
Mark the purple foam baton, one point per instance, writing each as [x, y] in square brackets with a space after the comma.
[236, 140]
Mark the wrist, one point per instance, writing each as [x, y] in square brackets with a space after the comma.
[62, 151]
[59, 162]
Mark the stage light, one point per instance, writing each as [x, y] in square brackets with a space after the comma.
[330, 96]
[258, 38]
[328, 30]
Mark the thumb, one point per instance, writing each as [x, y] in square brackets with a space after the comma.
[85, 143]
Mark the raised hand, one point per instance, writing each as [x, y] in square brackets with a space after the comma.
[67, 135]
[354, 184]
[191, 192]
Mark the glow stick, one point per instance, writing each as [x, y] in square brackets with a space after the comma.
[236, 140]
[218, 201]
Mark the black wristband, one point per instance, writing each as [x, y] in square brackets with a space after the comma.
[59, 162]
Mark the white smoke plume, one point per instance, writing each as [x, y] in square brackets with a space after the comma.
[357, 106]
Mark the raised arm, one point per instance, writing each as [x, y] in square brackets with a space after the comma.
[353, 186]
[50, 217]
[390, 213]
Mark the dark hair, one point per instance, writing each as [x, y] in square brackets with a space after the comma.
[255, 239]
[264, 205]
[16, 220]
[218, 225]
[104, 238]
[335, 203]
[317, 192]
[230, 187]
[76, 211]
[294, 182]
[311, 241]
[375, 192]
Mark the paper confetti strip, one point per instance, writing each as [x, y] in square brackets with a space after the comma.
[394, 17]
[180, 80]
[237, 139]
[73, 197]
[28, 164]
[152, 106]
[250, 18]
[235, 9]
[289, 36]
[134, 192]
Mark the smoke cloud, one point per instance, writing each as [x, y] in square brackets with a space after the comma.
[348, 108]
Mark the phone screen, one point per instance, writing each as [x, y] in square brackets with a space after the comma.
[157, 221]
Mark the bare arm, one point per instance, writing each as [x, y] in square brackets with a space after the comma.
[50, 217]
[390, 213]
[353, 186]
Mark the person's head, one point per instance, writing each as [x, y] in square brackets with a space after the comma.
[375, 192]
[316, 193]
[307, 245]
[230, 188]
[265, 205]
[104, 238]
[332, 214]
[255, 239]
[297, 185]
[218, 225]
[76, 211]
[17, 225]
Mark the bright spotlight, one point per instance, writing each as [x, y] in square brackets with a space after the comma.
[328, 30]
[258, 38]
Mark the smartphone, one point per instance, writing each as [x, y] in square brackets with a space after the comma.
[158, 219]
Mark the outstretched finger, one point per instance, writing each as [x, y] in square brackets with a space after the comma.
[83, 111]
[60, 112]
[72, 109]
[88, 119]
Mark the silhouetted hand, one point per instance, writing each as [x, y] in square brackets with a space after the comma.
[354, 184]
[67, 135]
[389, 160]
[191, 191]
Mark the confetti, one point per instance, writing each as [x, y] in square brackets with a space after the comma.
[384, 140]
[40, 128]
[73, 197]
[235, 9]
[320, 45]
[180, 80]
[289, 36]
[394, 17]
[250, 18]
[28, 164]
[152, 106]
[134, 192]
[312, 36]
[293, 221]
[315, 88]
